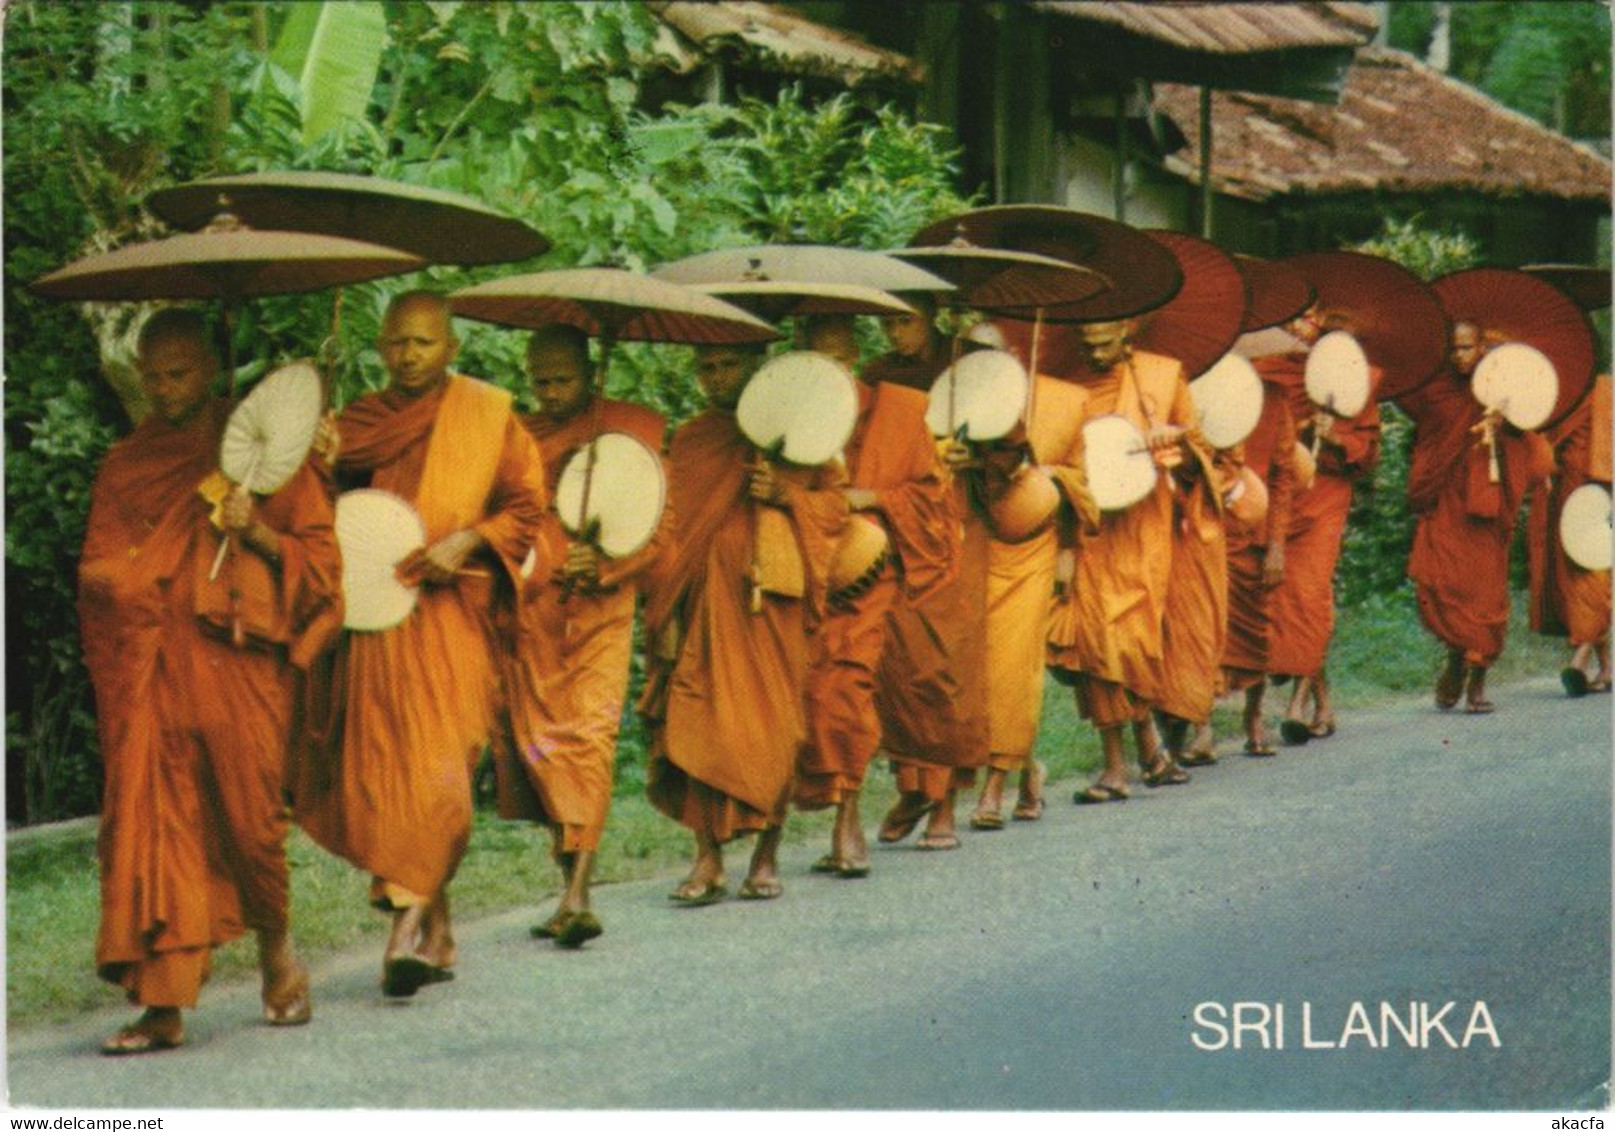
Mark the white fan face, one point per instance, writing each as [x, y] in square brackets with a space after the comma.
[1120, 469]
[983, 392]
[626, 493]
[1228, 400]
[376, 530]
[1337, 375]
[802, 402]
[1584, 527]
[269, 433]
[1520, 382]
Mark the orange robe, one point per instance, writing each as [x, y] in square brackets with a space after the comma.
[1464, 522]
[725, 684]
[566, 670]
[417, 701]
[1566, 600]
[1108, 630]
[193, 730]
[1194, 628]
[891, 453]
[1301, 608]
[1269, 451]
[1020, 583]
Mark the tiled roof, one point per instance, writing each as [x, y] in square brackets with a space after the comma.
[1400, 126]
[1229, 29]
[780, 39]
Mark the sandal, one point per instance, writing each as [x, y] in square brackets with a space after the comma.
[829, 863]
[580, 928]
[288, 1004]
[896, 825]
[987, 819]
[699, 895]
[1099, 793]
[1322, 728]
[145, 1035]
[1198, 758]
[1166, 773]
[937, 841]
[1030, 807]
[760, 889]
[1260, 749]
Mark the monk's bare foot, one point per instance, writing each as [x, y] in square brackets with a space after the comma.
[285, 993]
[705, 883]
[1475, 702]
[1202, 749]
[159, 1028]
[989, 812]
[1029, 803]
[1450, 685]
[848, 846]
[762, 877]
[907, 813]
[940, 830]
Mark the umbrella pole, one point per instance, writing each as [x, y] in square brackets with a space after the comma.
[607, 341]
[230, 346]
[1031, 371]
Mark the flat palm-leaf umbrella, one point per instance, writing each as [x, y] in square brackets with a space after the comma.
[1198, 324]
[439, 226]
[775, 300]
[995, 279]
[1588, 286]
[1275, 293]
[802, 263]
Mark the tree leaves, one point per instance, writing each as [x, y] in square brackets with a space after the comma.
[332, 51]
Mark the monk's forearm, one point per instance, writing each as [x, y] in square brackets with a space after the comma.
[263, 540]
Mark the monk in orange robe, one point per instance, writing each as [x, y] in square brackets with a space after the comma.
[1465, 519]
[1255, 555]
[896, 481]
[195, 680]
[1567, 600]
[566, 670]
[729, 619]
[1301, 607]
[1106, 637]
[931, 691]
[418, 700]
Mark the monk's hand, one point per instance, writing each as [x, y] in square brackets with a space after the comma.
[1273, 565]
[1323, 425]
[861, 498]
[235, 516]
[766, 486]
[1165, 444]
[956, 454]
[582, 565]
[1065, 569]
[439, 562]
[327, 440]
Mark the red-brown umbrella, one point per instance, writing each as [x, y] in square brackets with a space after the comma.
[1396, 319]
[439, 226]
[1512, 305]
[1276, 293]
[992, 279]
[1142, 273]
[1588, 286]
[1198, 325]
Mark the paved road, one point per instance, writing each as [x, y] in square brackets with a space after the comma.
[1414, 857]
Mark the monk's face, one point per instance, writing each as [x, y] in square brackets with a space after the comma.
[177, 372]
[1466, 348]
[560, 381]
[1106, 343]
[838, 340]
[417, 346]
[1306, 325]
[722, 372]
[909, 334]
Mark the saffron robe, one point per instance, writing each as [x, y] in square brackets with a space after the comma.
[1269, 451]
[1463, 521]
[891, 453]
[566, 666]
[1301, 608]
[724, 689]
[1194, 628]
[1108, 630]
[391, 789]
[1567, 600]
[194, 730]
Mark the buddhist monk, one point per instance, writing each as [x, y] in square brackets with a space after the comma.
[1567, 600]
[931, 691]
[393, 793]
[194, 682]
[728, 620]
[1255, 555]
[895, 481]
[1301, 607]
[1464, 518]
[566, 671]
[1106, 638]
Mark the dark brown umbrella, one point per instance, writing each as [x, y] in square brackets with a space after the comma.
[1396, 319]
[776, 301]
[1198, 325]
[801, 263]
[1588, 286]
[1518, 307]
[1142, 273]
[993, 279]
[439, 226]
[1275, 293]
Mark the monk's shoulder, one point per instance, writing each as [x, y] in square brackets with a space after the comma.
[636, 420]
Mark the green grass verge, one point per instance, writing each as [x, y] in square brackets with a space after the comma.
[1380, 651]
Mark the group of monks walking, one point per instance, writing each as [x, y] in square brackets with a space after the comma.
[769, 680]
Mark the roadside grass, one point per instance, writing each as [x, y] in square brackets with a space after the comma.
[1380, 651]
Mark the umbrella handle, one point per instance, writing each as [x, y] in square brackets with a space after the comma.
[755, 578]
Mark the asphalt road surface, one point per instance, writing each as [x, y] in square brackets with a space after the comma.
[1072, 964]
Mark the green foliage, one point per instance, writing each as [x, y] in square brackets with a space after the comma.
[1426, 252]
[332, 52]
